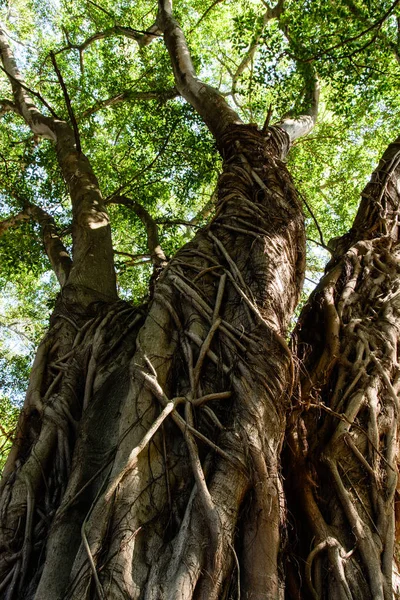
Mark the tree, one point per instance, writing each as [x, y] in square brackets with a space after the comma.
[178, 447]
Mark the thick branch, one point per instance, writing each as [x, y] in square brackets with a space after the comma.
[55, 249]
[302, 125]
[7, 106]
[39, 124]
[207, 101]
[93, 263]
[153, 243]
[13, 221]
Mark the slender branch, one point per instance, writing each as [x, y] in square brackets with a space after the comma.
[269, 15]
[146, 168]
[393, 46]
[67, 102]
[206, 13]
[314, 218]
[378, 24]
[101, 8]
[153, 242]
[161, 95]
[29, 91]
[129, 32]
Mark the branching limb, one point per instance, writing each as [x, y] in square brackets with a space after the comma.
[39, 124]
[140, 36]
[55, 249]
[300, 126]
[127, 95]
[270, 13]
[207, 101]
[93, 265]
[153, 242]
[67, 102]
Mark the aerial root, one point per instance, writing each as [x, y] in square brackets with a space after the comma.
[337, 557]
[209, 508]
[99, 587]
[27, 545]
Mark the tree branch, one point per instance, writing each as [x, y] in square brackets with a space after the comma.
[55, 249]
[304, 124]
[67, 102]
[93, 258]
[158, 257]
[58, 255]
[207, 101]
[39, 124]
[13, 221]
[393, 46]
[378, 24]
[7, 106]
[142, 37]
[161, 95]
[269, 15]
[206, 12]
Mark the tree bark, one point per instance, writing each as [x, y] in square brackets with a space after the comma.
[147, 458]
[163, 522]
[343, 439]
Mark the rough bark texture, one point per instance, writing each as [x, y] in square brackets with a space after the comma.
[97, 500]
[147, 461]
[343, 446]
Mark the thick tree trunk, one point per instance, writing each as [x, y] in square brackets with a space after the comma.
[343, 440]
[148, 459]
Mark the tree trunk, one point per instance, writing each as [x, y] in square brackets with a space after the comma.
[343, 440]
[147, 464]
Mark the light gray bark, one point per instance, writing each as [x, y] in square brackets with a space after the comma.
[93, 269]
